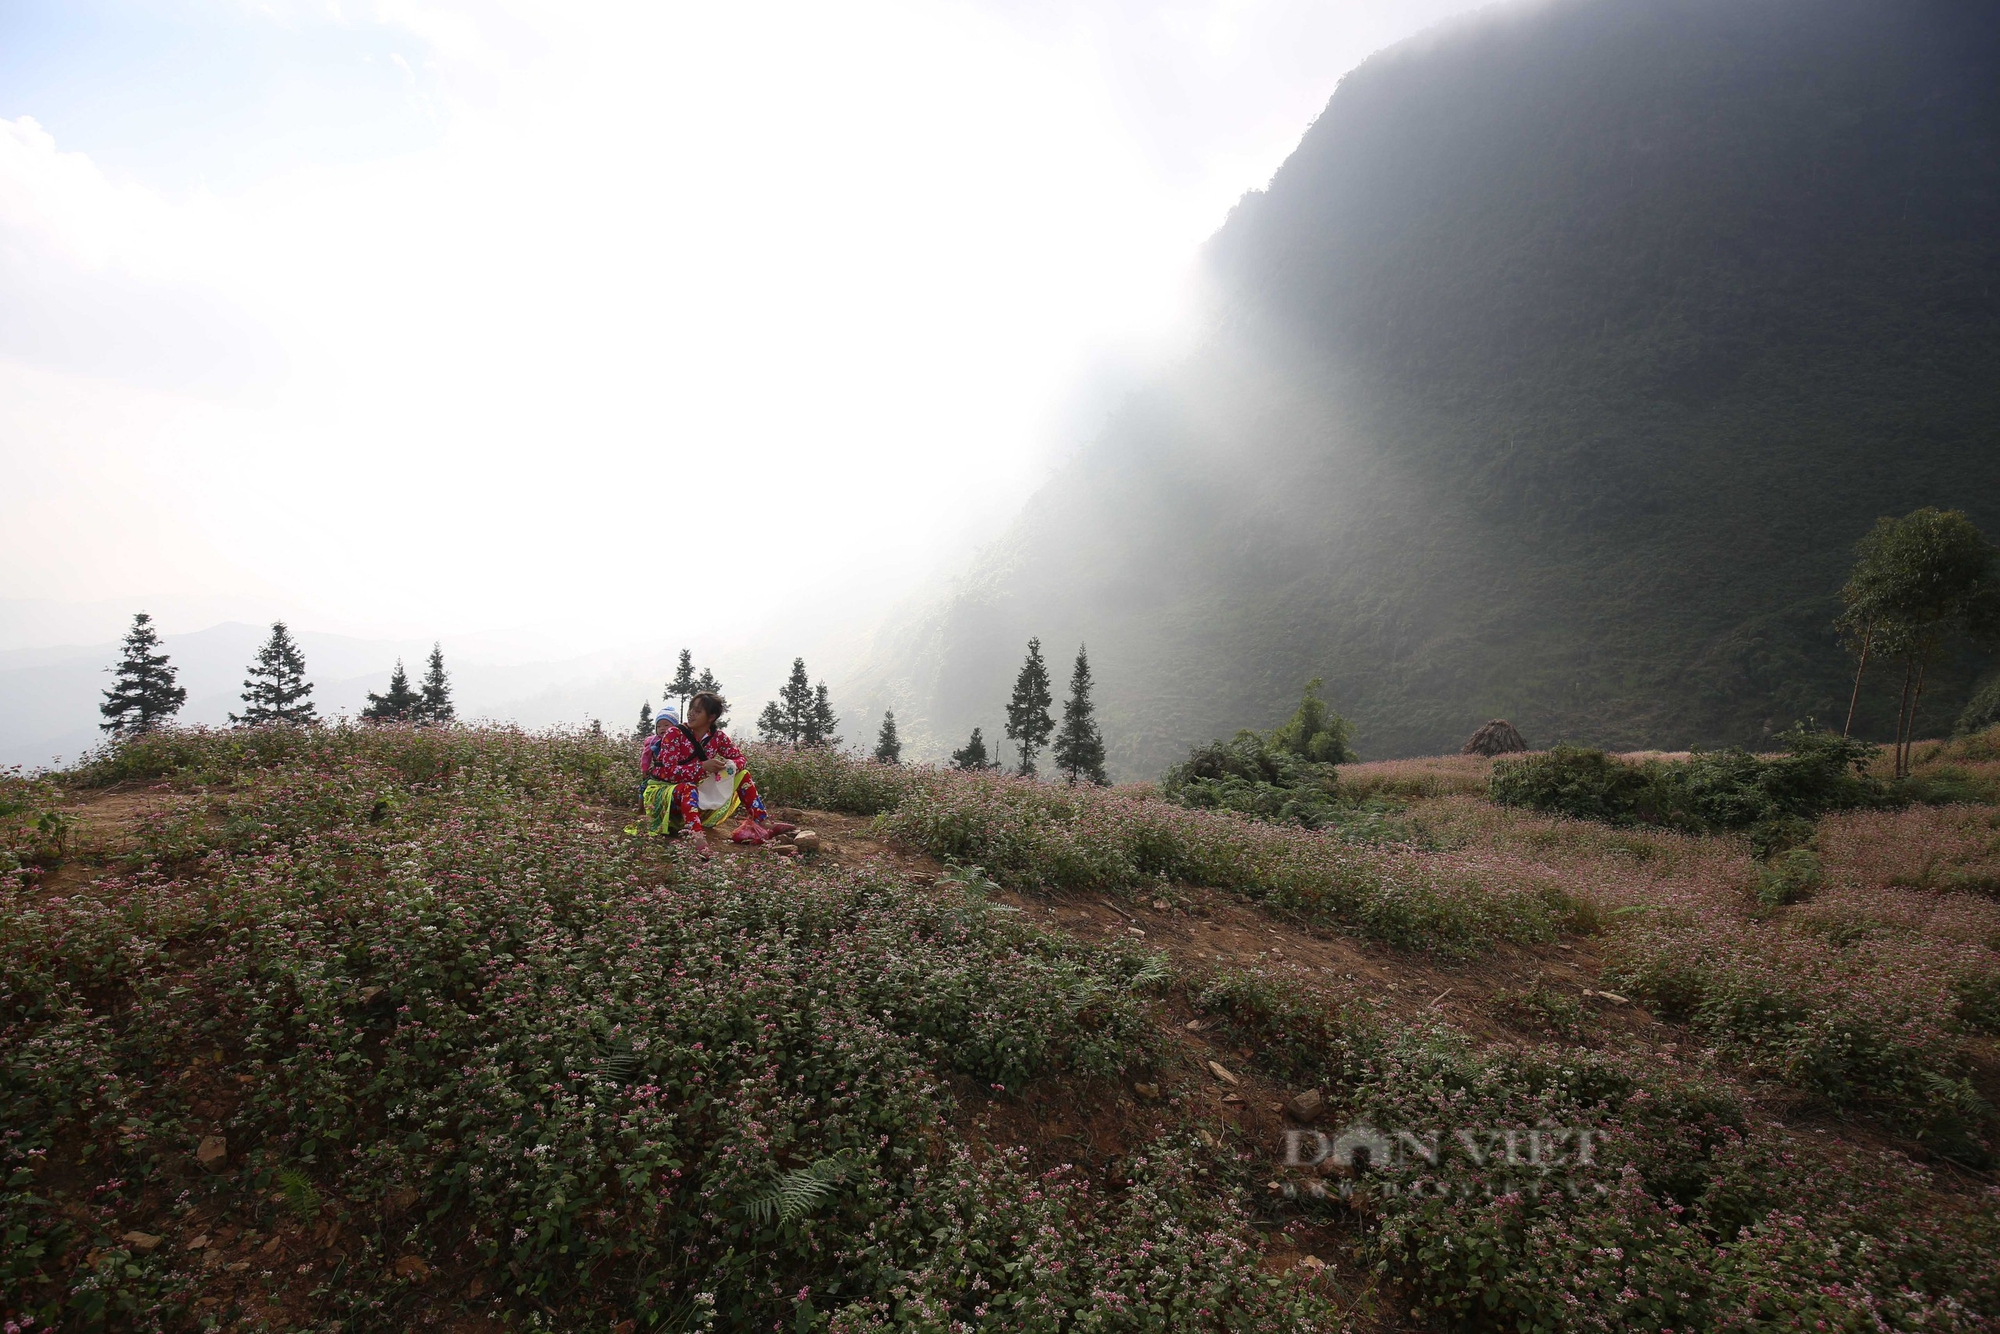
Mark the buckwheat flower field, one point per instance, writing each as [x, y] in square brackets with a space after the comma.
[391, 1028]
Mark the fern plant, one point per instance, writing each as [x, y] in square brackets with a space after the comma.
[1155, 972]
[301, 1196]
[798, 1192]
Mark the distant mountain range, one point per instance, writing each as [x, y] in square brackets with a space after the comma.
[1554, 377]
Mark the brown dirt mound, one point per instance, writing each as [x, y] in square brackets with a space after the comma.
[1498, 737]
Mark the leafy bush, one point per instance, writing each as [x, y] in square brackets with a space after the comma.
[823, 779]
[1789, 878]
[1314, 732]
[1253, 777]
[1709, 791]
[1982, 711]
[1288, 775]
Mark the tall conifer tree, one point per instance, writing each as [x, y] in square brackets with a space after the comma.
[683, 683]
[399, 705]
[787, 717]
[276, 690]
[972, 755]
[1079, 748]
[820, 720]
[1028, 720]
[889, 746]
[143, 693]
[435, 707]
[645, 721]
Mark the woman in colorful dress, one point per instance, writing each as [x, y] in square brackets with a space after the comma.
[695, 776]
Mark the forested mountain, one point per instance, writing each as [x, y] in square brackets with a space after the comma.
[1554, 377]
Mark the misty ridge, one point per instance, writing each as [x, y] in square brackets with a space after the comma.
[1554, 377]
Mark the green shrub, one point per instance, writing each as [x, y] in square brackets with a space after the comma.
[1707, 792]
[1253, 777]
[1788, 878]
[1982, 711]
[1569, 780]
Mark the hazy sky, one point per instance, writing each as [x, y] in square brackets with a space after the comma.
[427, 318]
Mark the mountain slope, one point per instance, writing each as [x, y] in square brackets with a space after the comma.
[1554, 376]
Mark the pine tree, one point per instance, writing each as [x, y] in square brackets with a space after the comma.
[820, 720]
[889, 746]
[786, 717]
[399, 705]
[436, 704]
[1028, 720]
[972, 755]
[1079, 748]
[645, 721]
[143, 694]
[276, 690]
[683, 683]
[706, 681]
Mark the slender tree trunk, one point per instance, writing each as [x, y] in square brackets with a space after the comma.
[1910, 745]
[1867, 641]
[1903, 713]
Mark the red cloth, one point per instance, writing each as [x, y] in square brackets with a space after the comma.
[670, 758]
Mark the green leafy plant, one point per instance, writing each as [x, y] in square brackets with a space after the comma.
[798, 1192]
[1709, 791]
[301, 1196]
[1788, 878]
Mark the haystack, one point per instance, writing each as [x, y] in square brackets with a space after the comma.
[1498, 737]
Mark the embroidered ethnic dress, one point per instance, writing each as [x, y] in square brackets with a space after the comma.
[669, 761]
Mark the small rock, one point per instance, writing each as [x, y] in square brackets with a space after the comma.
[1147, 1092]
[236, 1268]
[1194, 1025]
[1134, 931]
[1215, 1068]
[1311, 1263]
[1159, 905]
[1613, 997]
[1233, 1099]
[141, 1241]
[786, 851]
[806, 841]
[271, 1247]
[476, 1288]
[199, 1243]
[369, 995]
[413, 1267]
[213, 1154]
[1306, 1106]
